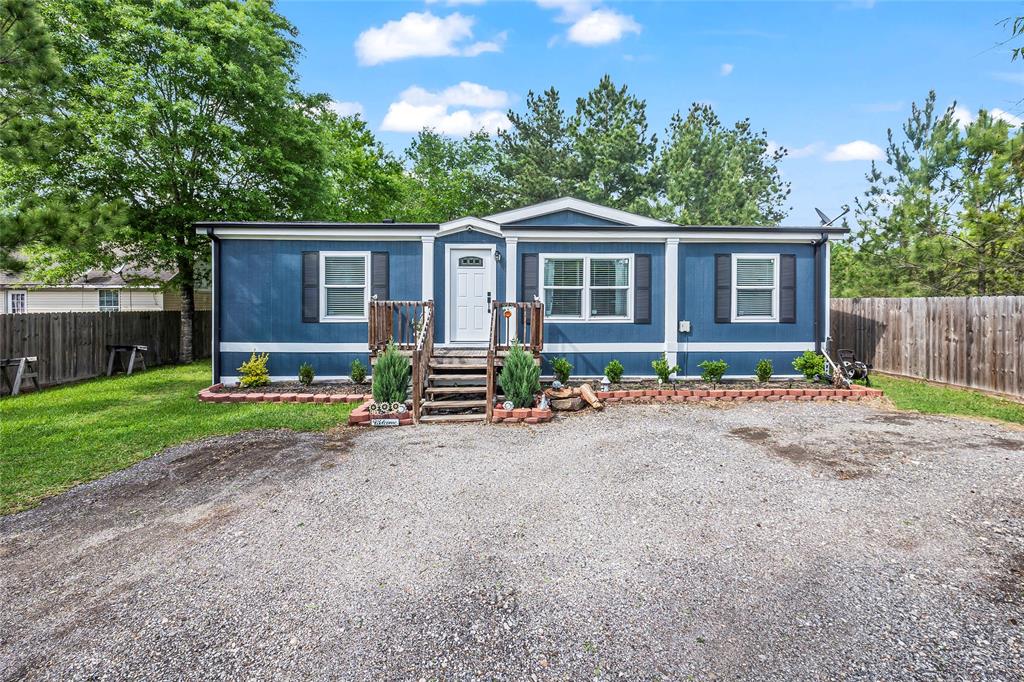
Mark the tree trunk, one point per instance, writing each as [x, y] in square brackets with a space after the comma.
[187, 288]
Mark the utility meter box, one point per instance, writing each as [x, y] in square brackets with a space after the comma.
[684, 326]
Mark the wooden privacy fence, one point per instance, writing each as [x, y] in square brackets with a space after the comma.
[73, 346]
[972, 341]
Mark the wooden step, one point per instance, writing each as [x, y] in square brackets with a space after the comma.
[460, 352]
[457, 377]
[453, 417]
[481, 366]
[448, 390]
[453, 404]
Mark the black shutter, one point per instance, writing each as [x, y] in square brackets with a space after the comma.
[787, 288]
[528, 287]
[379, 275]
[642, 292]
[723, 287]
[310, 286]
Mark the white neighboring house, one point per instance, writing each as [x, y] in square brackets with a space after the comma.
[97, 290]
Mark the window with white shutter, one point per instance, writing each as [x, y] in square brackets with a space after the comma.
[755, 288]
[585, 287]
[344, 286]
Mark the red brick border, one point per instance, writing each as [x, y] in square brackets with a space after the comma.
[521, 414]
[681, 395]
[361, 416]
[213, 394]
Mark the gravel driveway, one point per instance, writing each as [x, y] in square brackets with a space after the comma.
[798, 541]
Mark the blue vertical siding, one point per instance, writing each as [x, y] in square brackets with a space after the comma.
[465, 238]
[605, 332]
[566, 219]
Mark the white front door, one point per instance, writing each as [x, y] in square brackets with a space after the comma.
[471, 287]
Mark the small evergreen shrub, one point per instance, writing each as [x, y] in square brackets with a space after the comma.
[357, 371]
[562, 369]
[305, 374]
[713, 370]
[253, 371]
[662, 369]
[520, 377]
[810, 364]
[613, 370]
[391, 376]
[764, 370]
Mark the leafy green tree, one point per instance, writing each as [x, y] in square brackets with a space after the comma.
[449, 178]
[187, 111]
[31, 123]
[944, 217]
[613, 149]
[715, 175]
[536, 158]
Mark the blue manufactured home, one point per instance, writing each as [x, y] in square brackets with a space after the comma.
[612, 284]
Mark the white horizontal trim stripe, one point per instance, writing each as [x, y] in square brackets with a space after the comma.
[324, 233]
[633, 234]
[684, 347]
[342, 378]
[262, 347]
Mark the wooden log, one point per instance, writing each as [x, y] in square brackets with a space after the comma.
[560, 393]
[587, 393]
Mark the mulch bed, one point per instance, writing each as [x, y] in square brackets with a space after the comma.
[705, 385]
[296, 387]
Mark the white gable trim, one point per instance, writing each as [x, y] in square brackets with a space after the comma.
[580, 206]
[469, 223]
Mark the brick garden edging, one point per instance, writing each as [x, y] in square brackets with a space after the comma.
[361, 415]
[212, 395]
[739, 395]
[527, 415]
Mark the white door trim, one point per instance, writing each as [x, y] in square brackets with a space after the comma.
[449, 286]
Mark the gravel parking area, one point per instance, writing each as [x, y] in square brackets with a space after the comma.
[758, 541]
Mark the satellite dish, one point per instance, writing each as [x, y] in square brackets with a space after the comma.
[825, 220]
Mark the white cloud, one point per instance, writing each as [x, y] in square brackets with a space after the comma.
[421, 34]
[726, 69]
[602, 26]
[418, 108]
[590, 25]
[1000, 115]
[858, 150]
[346, 108]
[795, 152]
[1010, 77]
[962, 116]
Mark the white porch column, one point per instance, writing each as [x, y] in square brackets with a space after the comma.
[671, 298]
[511, 265]
[427, 285]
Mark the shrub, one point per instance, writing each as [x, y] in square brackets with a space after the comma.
[764, 370]
[305, 374]
[713, 370]
[357, 371]
[253, 371]
[391, 376]
[562, 369]
[613, 370]
[810, 364]
[520, 377]
[662, 369]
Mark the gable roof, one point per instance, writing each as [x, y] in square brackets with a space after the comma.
[578, 206]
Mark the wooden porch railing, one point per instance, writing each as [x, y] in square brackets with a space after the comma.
[512, 322]
[423, 350]
[395, 320]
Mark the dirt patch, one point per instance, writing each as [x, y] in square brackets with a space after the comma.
[751, 434]
[822, 458]
[896, 419]
[1007, 444]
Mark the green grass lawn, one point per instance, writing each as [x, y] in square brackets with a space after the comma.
[57, 438]
[908, 394]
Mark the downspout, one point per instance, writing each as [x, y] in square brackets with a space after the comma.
[215, 321]
[818, 299]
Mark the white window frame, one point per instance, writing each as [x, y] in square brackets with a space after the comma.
[324, 317]
[24, 301]
[774, 288]
[585, 315]
[107, 309]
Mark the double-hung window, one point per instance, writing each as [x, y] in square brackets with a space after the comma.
[755, 288]
[587, 287]
[16, 302]
[344, 286]
[110, 301]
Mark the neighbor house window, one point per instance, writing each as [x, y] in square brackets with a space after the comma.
[16, 302]
[110, 301]
[344, 286]
[588, 287]
[755, 288]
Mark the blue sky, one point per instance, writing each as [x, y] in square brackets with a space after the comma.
[824, 79]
